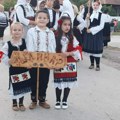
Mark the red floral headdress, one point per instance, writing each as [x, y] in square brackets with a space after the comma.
[60, 22]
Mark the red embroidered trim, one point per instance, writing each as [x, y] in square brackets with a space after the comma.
[65, 75]
[16, 78]
[25, 76]
[1, 54]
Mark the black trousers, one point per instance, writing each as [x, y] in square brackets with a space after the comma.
[43, 83]
[97, 59]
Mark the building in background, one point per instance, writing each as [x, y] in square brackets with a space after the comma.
[115, 5]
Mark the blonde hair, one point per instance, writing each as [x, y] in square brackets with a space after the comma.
[15, 23]
[1, 8]
[75, 9]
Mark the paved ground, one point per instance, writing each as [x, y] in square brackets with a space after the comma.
[96, 98]
[111, 57]
[111, 54]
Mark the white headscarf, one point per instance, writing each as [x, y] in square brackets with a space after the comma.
[39, 2]
[67, 8]
[95, 13]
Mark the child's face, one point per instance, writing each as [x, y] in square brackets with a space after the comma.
[61, 1]
[66, 26]
[95, 6]
[41, 6]
[42, 20]
[17, 31]
[49, 3]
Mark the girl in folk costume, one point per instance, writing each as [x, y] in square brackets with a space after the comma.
[93, 37]
[78, 26]
[24, 14]
[41, 4]
[19, 78]
[40, 39]
[65, 78]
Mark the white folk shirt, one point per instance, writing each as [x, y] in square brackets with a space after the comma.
[20, 13]
[56, 20]
[96, 29]
[47, 43]
[50, 14]
[5, 50]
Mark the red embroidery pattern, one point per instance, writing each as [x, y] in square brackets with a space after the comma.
[16, 78]
[25, 76]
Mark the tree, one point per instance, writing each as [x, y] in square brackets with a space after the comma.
[110, 9]
[9, 3]
[79, 2]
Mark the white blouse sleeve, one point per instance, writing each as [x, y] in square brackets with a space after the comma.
[56, 24]
[76, 53]
[52, 44]
[82, 23]
[98, 28]
[75, 43]
[29, 41]
[21, 16]
[5, 57]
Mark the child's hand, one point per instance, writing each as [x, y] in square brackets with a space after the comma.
[52, 29]
[88, 16]
[88, 31]
[68, 54]
[10, 62]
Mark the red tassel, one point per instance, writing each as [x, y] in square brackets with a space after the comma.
[1, 54]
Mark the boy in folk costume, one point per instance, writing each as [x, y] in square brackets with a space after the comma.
[40, 39]
[93, 38]
[56, 7]
[19, 78]
[52, 14]
[66, 78]
[24, 14]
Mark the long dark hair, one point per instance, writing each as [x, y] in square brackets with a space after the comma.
[59, 33]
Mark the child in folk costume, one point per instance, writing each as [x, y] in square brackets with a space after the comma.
[24, 14]
[3, 23]
[78, 26]
[40, 39]
[106, 30]
[65, 78]
[19, 78]
[52, 14]
[93, 37]
[56, 7]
